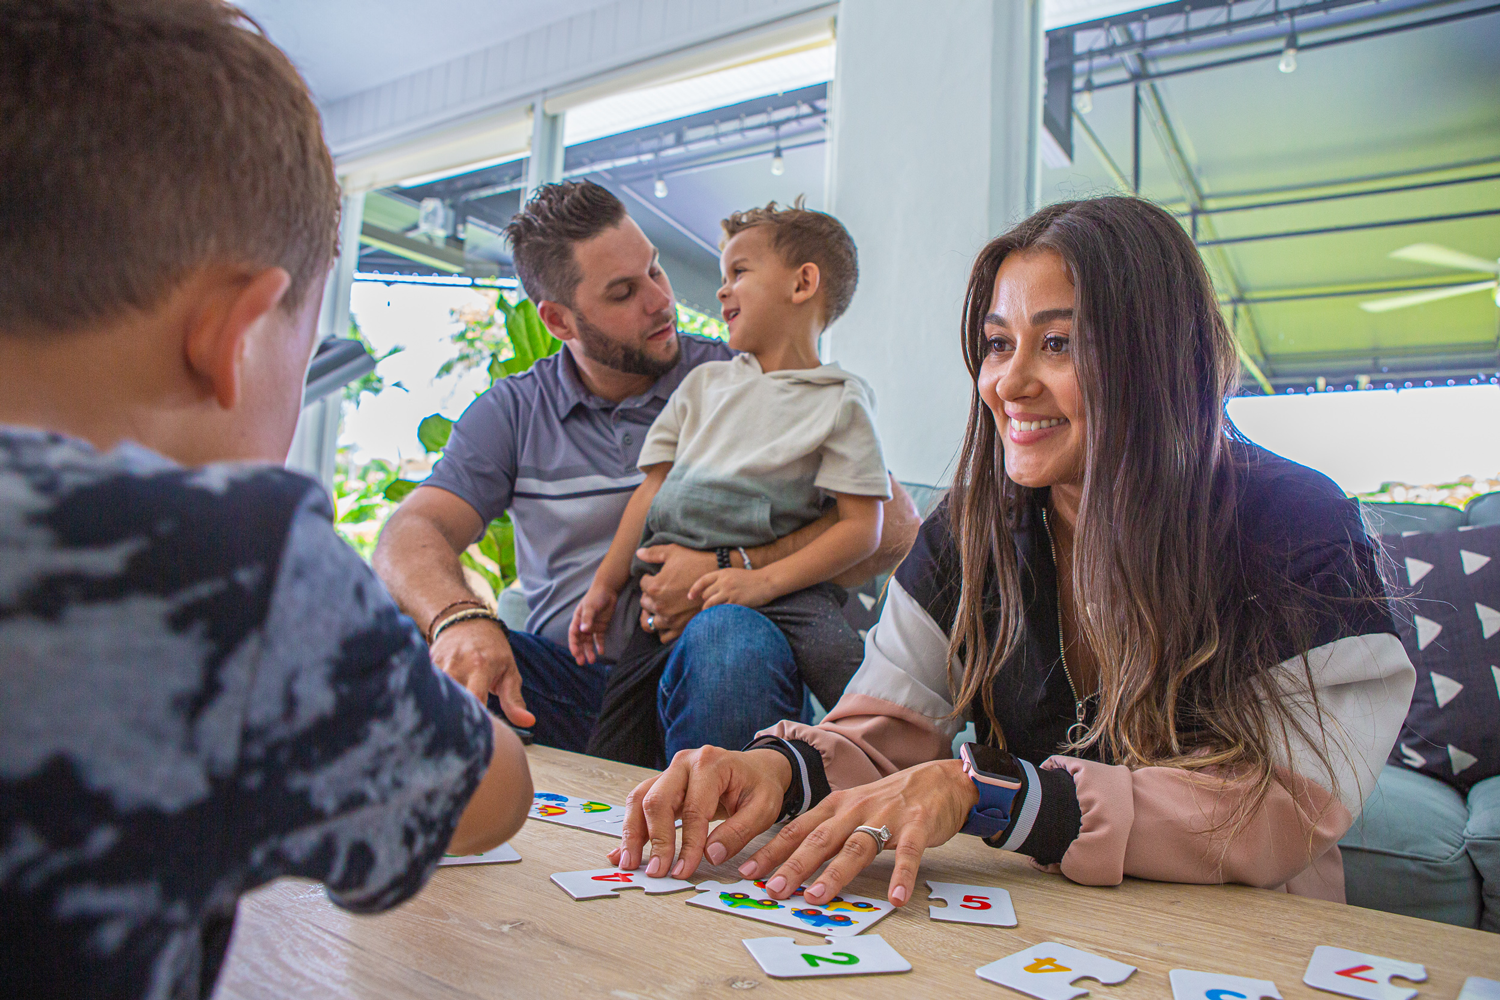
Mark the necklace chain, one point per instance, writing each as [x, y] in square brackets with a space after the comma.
[1078, 730]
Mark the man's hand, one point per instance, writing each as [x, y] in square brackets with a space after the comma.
[665, 592]
[590, 622]
[748, 588]
[477, 655]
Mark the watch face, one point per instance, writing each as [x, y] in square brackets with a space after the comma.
[993, 760]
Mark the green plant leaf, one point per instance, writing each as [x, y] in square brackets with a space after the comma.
[397, 491]
[434, 431]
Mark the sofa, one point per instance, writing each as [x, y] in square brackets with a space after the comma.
[1428, 841]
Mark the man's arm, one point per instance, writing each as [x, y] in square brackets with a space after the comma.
[664, 593]
[417, 559]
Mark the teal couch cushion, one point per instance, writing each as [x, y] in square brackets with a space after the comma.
[1406, 852]
[1483, 836]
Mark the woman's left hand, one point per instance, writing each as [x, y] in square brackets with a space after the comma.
[922, 806]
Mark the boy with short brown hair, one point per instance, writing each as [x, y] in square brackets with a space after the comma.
[745, 452]
[204, 688]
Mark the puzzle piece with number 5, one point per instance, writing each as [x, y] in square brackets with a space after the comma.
[609, 881]
[1355, 974]
[1047, 970]
[971, 904]
[844, 915]
[784, 958]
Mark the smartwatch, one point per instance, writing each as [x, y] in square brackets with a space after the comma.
[1000, 777]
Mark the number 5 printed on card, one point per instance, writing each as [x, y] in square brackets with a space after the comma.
[971, 904]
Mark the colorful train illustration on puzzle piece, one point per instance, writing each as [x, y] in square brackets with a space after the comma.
[817, 918]
[744, 901]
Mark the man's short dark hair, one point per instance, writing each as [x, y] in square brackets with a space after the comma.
[142, 141]
[801, 236]
[543, 233]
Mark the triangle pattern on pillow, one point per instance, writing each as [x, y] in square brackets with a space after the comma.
[1489, 621]
[1444, 689]
[1416, 569]
[1496, 672]
[1459, 759]
[1428, 630]
[1412, 758]
[868, 600]
[1473, 561]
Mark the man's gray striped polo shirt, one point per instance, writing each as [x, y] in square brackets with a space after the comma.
[563, 462]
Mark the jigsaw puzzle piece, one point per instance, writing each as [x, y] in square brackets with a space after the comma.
[609, 881]
[971, 904]
[784, 958]
[504, 854]
[1356, 974]
[1190, 985]
[1476, 988]
[844, 916]
[1047, 971]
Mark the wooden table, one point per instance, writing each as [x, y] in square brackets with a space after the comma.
[506, 931]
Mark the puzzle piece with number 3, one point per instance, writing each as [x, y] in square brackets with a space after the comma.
[784, 958]
[1047, 970]
[971, 904]
[609, 881]
[1355, 974]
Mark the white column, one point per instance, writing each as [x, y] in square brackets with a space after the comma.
[315, 443]
[545, 165]
[936, 114]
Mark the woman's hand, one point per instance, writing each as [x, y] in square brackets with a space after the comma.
[923, 806]
[745, 788]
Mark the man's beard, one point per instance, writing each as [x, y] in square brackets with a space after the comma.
[601, 349]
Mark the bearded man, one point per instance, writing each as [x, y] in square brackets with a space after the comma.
[557, 447]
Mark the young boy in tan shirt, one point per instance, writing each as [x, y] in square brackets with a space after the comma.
[745, 452]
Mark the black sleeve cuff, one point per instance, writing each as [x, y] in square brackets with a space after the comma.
[809, 782]
[1058, 818]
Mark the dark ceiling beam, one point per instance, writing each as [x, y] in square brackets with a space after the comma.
[1378, 288]
[1396, 189]
[1349, 228]
[1275, 53]
[1391, 175]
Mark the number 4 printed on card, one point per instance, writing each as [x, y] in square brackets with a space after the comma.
[971, 904]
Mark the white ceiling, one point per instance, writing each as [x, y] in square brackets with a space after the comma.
[345, 46]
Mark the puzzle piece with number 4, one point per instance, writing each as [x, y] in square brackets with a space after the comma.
[1047, 970]
[609, 881]
[1355, 974]
[971, 904]
[784, 958]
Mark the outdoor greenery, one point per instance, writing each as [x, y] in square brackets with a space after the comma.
[504, 339]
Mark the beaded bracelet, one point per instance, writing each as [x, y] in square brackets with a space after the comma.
[463, 616]
[466, 602]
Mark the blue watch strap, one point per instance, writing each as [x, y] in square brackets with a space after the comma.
[992, 815]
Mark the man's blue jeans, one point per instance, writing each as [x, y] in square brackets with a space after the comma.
[730, 675]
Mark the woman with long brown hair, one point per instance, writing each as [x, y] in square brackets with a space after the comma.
[1174, 645]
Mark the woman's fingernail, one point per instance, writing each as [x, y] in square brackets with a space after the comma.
[716, 853]
[679, 869]
[655, 867]
[747, 869]
[898, 895]
[817, 890]
[776, 885]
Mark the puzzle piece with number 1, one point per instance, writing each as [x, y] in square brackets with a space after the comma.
[1355, 974]
[1047, 970]
[609, 881]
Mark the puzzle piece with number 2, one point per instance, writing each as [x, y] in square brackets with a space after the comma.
[843, 916]
[1047, 970]
[784, 958]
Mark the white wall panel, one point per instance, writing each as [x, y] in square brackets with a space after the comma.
[566, 54]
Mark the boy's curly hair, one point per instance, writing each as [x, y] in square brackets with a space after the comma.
[802, 236]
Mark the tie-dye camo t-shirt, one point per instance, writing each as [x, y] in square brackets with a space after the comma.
[201, 689]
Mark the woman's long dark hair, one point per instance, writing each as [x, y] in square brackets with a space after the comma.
[1184, 623]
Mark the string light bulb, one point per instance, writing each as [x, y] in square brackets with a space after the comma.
[778, 162]
[1084, 101]
[661, 188]
[1288, 62]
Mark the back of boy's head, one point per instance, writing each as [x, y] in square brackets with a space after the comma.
[801, 236]
[143, 140]
[543, 233]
